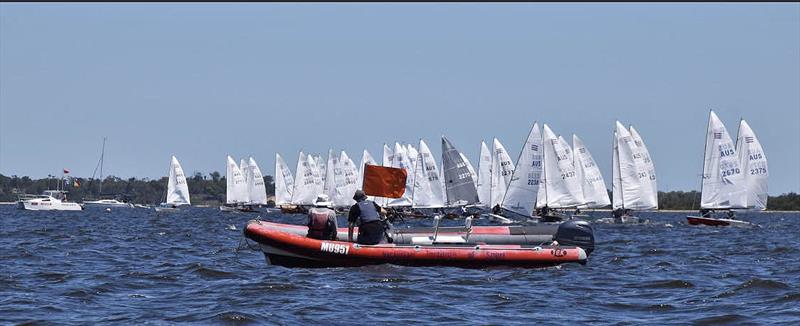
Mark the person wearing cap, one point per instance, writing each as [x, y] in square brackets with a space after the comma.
[322, 220]
[366, 214]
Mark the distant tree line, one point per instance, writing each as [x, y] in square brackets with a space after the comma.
[210, 189]
[203, 189]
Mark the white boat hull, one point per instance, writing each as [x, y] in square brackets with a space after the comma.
[106, 203]
[35, 205]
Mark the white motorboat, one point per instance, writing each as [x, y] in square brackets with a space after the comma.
[106, 203]
[50, 200]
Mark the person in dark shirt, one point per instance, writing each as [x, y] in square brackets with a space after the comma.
[366, 214]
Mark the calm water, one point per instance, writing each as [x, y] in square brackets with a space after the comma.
[131, 266]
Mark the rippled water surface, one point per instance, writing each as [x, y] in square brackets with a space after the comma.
[130, 266]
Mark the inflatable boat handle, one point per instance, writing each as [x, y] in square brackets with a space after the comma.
[436, 220]
[468, 227]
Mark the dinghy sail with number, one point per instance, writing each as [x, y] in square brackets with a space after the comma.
[256, 188]
[459, 187]
[284, 182]
[427, 191]
[523, 189]
[402, 161]
[560, 187]
[236, 195]
[724, 186]
[753, 163]
[594, 187]
[484, 181]
[502, 169]
[177, 190]
[632, 185]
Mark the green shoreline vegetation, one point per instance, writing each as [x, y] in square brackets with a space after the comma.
[209, 189]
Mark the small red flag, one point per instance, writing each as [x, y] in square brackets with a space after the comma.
[384, 181]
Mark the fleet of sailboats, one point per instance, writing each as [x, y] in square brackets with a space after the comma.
[549, 177]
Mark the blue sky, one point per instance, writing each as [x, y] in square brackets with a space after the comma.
[204, 80]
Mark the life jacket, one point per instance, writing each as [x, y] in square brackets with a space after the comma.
[368, 212]
[319, 225]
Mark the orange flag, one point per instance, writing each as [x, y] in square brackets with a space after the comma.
[384, 181]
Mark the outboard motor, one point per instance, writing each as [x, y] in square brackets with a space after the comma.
[576, 233]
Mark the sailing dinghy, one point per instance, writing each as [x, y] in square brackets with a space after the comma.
[560, 187]
[633, 176]
[594, 187]
[177, 189]
[731, 181]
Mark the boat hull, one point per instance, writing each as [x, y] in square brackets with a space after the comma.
[107, 204]
[697, 220]
[49, 206]
[293, 250]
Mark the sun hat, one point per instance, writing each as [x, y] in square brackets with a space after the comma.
[322, 201]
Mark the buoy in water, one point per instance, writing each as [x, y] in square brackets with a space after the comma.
[108, 209]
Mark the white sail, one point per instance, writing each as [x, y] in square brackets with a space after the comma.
[427, 185]
[177, 189]
[723, 181]
[331, 175]
[236, 186]
[524, 185]
[245, 169]
[594, 187]
[319, 168]
[388, 161]
[567, 149]
[412, 155]
[304, 186]
[484, 183]
[753, 163]
[470, 168]
[502, 169]
[402, 161]
[366, 158]
[636, 191]
[347, 182]
[562, 186]
[256, 187]
[616, 175]
[644, 162]
[284, 182]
